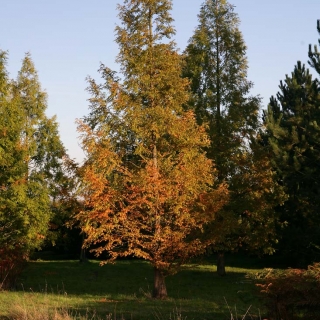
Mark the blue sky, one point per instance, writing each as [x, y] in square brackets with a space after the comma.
[67, 40]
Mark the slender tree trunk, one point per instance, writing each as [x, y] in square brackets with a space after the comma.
[83, 255]
[159, 285]
[221, 267]
[221, 270]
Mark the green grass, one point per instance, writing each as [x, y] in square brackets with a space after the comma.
[123, 291]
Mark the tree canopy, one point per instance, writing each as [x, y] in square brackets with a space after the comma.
[293, 135]
[30, 157]
[146, 177]
[216, 65]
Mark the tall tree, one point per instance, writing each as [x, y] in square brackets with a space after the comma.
[40, 135]
[145, 177]
[217, 66]
[314, 54]
[11, 160]
[30, 156]
[293, 132]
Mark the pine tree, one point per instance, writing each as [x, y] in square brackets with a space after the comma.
[314, 55]
[145, 176]
[217, 66]
[293, 132]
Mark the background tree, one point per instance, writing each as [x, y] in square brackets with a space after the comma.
[30, 155]
[314, 55]
[145, 176]
[293, 133]
[11, 162]
[217, 66]
[63, 237]
[40, 135]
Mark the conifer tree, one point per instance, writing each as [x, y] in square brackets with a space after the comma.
[217, 66]
[145, 177]
[11, 160]
[30, 160]
[40, 135]
[314, 55]
[293, 133]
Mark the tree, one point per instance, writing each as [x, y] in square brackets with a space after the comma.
[30, 155]
[11, 158]
[217, 66]
[63, 235]
[40, 135]
[314, 55]
[145, 177]
[293, 133]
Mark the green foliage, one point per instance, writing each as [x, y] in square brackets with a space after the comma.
[293, 134]
[216, 64]
[63, 236]
[314, 55]
[30, 158]
[291, 294]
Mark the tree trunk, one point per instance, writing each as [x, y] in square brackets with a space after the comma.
[83, 255]
[159, 286]
[221, 268]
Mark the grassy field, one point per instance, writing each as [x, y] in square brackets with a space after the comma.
[71, 290]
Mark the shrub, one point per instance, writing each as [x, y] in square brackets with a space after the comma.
[12, 262]
[292, 293]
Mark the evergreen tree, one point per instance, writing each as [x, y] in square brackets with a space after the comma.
[314, 55]
[40, 135]
[11, 162]
[145, 177]
[30, 158]
[217, 66]
[293, 132]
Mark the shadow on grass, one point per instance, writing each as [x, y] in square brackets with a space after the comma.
[124, 289]
[246, 261]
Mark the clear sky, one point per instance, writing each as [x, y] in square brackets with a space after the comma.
[68, 39]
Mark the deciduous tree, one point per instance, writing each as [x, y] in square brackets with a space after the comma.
[146, 177]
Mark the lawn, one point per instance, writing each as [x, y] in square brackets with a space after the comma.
[123, 291]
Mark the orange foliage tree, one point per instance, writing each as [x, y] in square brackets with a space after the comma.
[147, 183]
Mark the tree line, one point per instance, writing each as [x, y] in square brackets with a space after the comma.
[178, 163]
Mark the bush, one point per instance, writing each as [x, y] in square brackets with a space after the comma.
[12, 263]
[292, 293]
